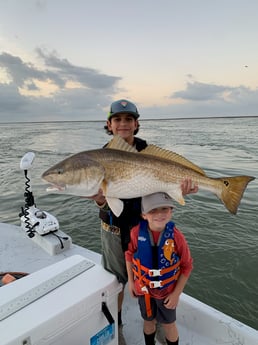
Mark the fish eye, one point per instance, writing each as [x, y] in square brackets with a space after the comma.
[60, 171]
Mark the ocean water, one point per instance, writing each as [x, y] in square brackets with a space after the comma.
[224, 246]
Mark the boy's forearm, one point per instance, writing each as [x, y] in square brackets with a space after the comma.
[180, 284]
[129, 268]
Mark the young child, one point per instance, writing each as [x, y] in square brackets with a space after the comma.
[159, 263]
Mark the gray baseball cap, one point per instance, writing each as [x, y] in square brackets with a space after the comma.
[123, 107]
[156, 200]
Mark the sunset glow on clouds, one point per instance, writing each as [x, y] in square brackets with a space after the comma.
[68, 60]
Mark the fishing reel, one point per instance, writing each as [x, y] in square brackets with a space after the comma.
[34, 220]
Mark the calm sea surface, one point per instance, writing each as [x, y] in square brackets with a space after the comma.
[224, 246]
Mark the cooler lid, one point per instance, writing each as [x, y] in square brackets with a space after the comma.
[20, 293]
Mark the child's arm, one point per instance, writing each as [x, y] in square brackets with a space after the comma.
[186, 266]
[131, 287]
[132, 247]
[171, 301]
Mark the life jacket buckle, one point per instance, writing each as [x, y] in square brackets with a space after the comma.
[145, 289]
[155, 284]
[154, 273]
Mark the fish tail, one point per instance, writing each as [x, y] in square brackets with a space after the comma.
[232, 191]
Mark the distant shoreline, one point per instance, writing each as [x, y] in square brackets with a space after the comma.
[142, 120]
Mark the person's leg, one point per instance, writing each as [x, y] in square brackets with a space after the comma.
[113, 260]
[167, 318]
[120, 303]
[149, 330]
[171, 333]
[149, 323]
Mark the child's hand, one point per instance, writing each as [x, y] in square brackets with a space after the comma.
[171, 301]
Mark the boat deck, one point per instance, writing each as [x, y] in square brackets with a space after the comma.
[198, 323]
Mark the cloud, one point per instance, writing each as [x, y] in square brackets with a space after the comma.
[87, 77]
[10, 98]
[203, 100]
[58, 91]
[202, 92]
[20, 72]
[196, 91]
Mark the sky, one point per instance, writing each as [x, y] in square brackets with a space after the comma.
[65, 60]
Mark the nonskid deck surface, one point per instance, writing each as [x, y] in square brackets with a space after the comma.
[198, 324]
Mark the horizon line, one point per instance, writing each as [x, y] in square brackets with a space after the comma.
[148, 119]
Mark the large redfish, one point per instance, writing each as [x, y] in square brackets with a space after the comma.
[123, 173]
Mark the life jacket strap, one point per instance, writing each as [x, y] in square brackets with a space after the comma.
[147, 299]
[144, 281]
[154, 272]
[160, 272]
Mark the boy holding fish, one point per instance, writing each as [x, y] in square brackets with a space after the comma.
[158, 262]
[115, 234]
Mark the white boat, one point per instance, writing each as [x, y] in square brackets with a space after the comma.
[65, 296]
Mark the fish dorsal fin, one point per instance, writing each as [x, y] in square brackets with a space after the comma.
[119, 143]
[171, 156]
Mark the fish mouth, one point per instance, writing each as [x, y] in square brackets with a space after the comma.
[55, 188]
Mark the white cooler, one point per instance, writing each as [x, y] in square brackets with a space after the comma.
[72, 302]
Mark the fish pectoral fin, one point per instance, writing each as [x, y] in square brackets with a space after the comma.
[116, 205]
[177, 195]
